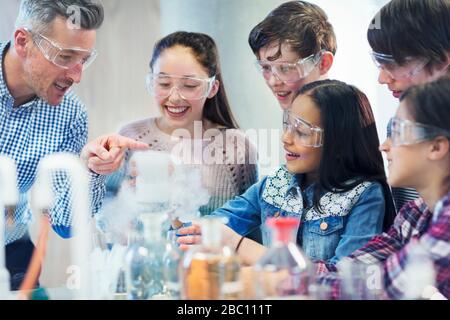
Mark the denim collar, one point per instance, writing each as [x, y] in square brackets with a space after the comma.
[282, 190]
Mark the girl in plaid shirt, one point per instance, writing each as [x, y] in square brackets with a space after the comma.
[419, 157]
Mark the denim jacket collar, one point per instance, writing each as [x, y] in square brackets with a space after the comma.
[282, 191]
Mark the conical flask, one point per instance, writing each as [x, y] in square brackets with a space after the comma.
[284, 272]
[211, 271]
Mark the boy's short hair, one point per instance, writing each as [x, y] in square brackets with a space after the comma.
[304, 26]
[412, 28]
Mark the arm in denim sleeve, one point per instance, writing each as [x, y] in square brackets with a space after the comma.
[244, 211]
[60, 213]
[364, 221]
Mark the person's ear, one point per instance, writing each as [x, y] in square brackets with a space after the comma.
[326, 62]
[21, 41]
[439, 148]
[440, 70]
[214, 89]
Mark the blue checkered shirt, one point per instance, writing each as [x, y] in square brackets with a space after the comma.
[30, 132]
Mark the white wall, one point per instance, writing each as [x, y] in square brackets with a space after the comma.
[8, 10]
[113, 88]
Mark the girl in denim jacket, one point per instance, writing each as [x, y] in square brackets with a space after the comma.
[333, 180]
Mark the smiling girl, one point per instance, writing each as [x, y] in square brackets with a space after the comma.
[185, 80]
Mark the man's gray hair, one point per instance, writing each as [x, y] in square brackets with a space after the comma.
[38, 15]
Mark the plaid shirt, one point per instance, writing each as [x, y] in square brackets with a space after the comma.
[414, 225]
[32, 131]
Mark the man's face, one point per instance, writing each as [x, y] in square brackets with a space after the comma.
[47, 80]
[284, 91]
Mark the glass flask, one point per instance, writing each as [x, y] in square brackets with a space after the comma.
[144, 260]
[211, 271]
[171, 263]
[284, 272]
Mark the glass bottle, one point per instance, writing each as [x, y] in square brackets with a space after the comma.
[211, 271]
[284, 271]
[144, 260]
[120, 292]
[171, 263]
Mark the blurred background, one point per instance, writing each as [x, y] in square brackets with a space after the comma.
[113, 88]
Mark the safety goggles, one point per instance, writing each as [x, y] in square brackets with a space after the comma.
[409, 69]
[65, 58]
[188, 88]
[404, 132]
[304, 133]
[289, 72]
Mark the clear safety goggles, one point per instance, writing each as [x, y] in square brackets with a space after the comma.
[405, 132]
[289, 72]
[65, 58]
[304, 133]
[188, 88]
[409, 69]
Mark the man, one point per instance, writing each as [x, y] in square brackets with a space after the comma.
[52, 44]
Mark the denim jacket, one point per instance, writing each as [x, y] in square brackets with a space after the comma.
[349, 220]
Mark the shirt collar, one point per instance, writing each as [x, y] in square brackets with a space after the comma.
[3, 88]
[442, 205]
[4, 91]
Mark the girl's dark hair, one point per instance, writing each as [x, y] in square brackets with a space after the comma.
[412, 28]
[430, 103]
[350, 147]
[203, 47]
[303, 25]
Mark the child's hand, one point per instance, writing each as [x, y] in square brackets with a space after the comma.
[189, 236]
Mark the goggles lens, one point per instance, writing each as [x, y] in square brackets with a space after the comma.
[304, 133]
[409, 69]
[189, 88]
[289, 72]
[65, 58]
[405, 132]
